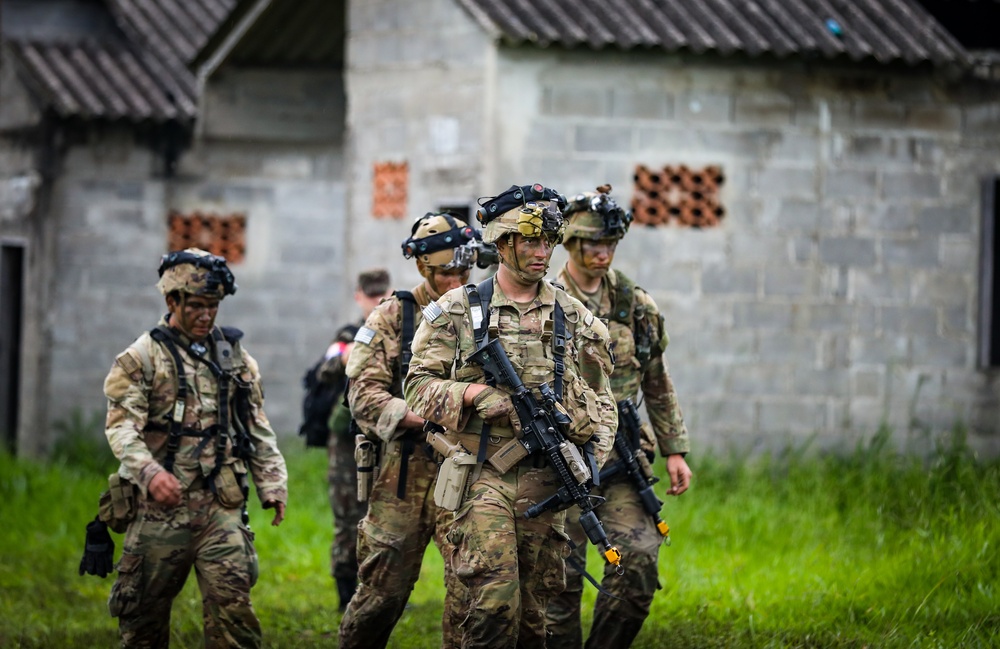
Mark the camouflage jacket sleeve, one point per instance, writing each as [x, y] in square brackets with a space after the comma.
[429, 388]
[593, 352]
[267, 465]
[374, 391]
[127, 391]
[658, 390]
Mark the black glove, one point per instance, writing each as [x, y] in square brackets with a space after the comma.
[99, 551]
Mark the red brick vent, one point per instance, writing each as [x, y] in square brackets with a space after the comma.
[219, 235]
[389, 190]
[677, 195]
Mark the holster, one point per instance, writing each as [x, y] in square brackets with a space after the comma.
[366, 457]
[117, 506]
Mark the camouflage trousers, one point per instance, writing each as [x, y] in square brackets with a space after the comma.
[161, 546]
[616, 622]
[347, 511]
[511, 565]
[392, 538]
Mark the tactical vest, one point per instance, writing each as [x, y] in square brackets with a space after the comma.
[625, 310]
[232, 391]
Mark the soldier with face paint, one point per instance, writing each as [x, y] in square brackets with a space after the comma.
[595, 225]
[402, 517]
[186, 420]
[511, 565]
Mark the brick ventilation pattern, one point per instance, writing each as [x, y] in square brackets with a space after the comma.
[220, 235]
[390, 190]
[677, 195]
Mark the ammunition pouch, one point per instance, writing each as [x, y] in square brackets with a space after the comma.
[230, 487]
[366, 457]
[118, 505]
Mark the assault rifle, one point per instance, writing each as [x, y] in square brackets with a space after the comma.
[632, 461]
[542, 428]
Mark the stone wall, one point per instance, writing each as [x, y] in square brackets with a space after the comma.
[841, 290]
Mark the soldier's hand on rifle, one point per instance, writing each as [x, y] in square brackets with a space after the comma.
[279, 511]
[495, 407]
[680, 474]
[165, 489]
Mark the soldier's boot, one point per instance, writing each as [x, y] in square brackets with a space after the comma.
[345, 589]
[612, 629]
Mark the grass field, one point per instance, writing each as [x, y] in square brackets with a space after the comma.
[871, 550]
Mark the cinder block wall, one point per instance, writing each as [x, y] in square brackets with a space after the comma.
[841, 290]
[112, 203]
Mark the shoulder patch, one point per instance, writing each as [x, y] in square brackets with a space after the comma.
[432, 311]
[129, 361]
[364, 336]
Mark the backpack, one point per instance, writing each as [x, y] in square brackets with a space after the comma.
[321, 396]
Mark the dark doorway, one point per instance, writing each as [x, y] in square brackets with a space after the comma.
[11, 323]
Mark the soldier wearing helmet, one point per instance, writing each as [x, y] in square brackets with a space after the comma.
[402, 517]
[595, 225]
[186, 420]
[510, 565]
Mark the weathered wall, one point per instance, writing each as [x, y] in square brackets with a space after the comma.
[841, 291]
[112, 204]
[416, 76]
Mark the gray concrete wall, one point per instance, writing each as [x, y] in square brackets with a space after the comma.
[112, 213]
[841, 291]
[416, 75]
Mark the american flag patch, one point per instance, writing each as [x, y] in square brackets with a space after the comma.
[432, 311]
[364, 336]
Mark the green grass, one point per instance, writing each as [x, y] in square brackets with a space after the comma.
[870, 550]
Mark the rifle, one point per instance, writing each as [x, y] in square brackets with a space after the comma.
[542, 426]
[635, 464]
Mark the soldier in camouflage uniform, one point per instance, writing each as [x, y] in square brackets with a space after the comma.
[595, 225]
[510, 564]
[373, 287]
[402, 517]
[188, 445]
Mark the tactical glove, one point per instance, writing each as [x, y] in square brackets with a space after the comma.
[99, 551]
[495, 407]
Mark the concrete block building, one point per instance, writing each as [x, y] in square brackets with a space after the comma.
[813, 186]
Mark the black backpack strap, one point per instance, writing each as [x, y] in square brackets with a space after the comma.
[479, 301]
[559, 347]
[164, 336]
[409, 326]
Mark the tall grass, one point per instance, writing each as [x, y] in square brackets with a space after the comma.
[793, 550]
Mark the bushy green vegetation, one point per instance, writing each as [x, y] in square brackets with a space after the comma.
[870, 550]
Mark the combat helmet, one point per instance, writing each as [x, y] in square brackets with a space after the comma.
[195, 272]
[442, 240]
[596, 215]
[529, 210]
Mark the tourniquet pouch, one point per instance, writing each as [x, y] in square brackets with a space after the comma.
[117, 505]
[227, 487]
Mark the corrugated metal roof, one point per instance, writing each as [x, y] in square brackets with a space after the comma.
[139, 74]
[886, 31]
[174, 28]
[107, 81]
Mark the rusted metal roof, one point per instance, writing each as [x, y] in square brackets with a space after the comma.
[138, 74]
[886, 31]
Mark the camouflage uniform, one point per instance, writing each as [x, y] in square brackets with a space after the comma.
[617, 622]
[511, 565]
[343, 481]
[162, 543]
[395, 532]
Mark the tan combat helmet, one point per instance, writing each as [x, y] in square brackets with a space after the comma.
[442, 240]
[596, 215]
[529, 210]
[195, 272]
